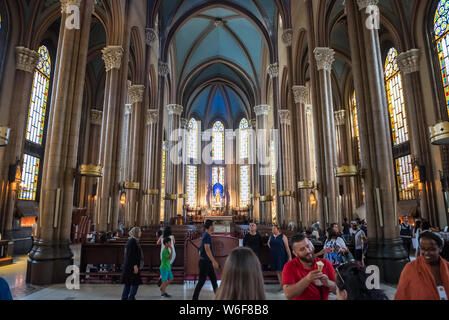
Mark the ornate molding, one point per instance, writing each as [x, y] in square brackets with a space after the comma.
[408, 61]
[324, 58]
[285, 118]
[96, 117]
[287, 37]
[174, 109]
[26, 59]
[136, 93]
[150, 36]
[363, 4]
[273, 70]
[301, 94]
[164, 69]
[112, 57]
[67, 3]
[340, 117]
[262, 110]
[152, 116]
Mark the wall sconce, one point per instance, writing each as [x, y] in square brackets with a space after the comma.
[4, 136]
[123, 199]
[312, 199]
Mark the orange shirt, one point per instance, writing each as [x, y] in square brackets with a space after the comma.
[418, 283]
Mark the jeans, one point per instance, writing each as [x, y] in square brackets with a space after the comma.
[206, 270]
[129, 292]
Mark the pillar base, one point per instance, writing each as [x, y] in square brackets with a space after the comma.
[47, 263]
[390, 256]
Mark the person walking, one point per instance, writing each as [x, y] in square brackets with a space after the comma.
[207, 262]
[167, 234]
[253, 240]
[241, 281]
[279, 252]
[346, 233]
[165, 268]
[415, 237]
[406, 235]
[134, 263]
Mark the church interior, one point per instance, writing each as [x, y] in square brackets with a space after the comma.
[117, 114]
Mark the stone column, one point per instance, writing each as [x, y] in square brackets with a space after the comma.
[324, 59]
[385, 247]
[26, 62]
[135, 93]
[171, 173]
[51, 253]
[409, 64]
[112, 56]
[96, 119]
[264, 163]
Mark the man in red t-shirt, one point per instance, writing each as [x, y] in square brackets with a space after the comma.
[301, 278]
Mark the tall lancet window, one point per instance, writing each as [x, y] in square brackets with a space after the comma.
[245, 169]
[441, 31]
[399, 128]
[355, 123]
[218, 131]
[164, 166]
[34, 146]
[192, 170]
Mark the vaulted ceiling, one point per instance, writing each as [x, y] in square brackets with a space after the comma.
[219, 53]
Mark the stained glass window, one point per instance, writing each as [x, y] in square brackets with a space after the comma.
[164, 157]
[218, 141]
[404, 176]
[39, 98]
[244, 145]
[245, 185]
[30, 173]
[273, 179]
[192, 186]
[192, 139]
[355, 122]
[218, 176]
[441, 29]
[395, 98]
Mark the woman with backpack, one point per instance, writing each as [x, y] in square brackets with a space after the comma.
[335, 248]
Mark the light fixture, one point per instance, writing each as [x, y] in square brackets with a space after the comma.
[439, 133]
[91, 170]
[4, 136]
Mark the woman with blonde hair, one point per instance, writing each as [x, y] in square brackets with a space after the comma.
[241, 280]
[133, 265]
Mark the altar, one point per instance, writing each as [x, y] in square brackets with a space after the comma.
[222, 223]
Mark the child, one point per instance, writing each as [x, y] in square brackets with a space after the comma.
[165, 268]
[158, 236]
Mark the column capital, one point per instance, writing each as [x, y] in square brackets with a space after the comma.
[26, 59]
[150, 36]
[128, 109]
[152, 116]
[273, 70]
[112, 57]
[363, 4]
[135, 93]
[301, 94]
[164, 69]
[287, 37]
[340, 117]
[262, 110]
[96, 117]
[324, 57]
[408, 62]
[284, 116]
[174, 109]
[68, 3]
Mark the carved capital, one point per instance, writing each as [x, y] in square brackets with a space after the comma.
[112, 57]
[150, 36]
[301, 94]
[324, 57]
[136, 93]
[408, 62]
[26, 59]
[287, 37]
[152, 116]
[284, 116]
[65, 4]
[363, 4]
[175, 109]
[96, 117]
[262, 110]
[340, 117]
[164, 69]
[273, 70]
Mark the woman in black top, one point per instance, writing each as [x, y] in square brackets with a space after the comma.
[253, 240]
[132, 266]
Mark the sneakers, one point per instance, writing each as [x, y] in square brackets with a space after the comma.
[166, 295]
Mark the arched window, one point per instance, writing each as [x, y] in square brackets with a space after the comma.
[192, 141]
[273, 179]
[218, 141]
[245, 170]
[244, 139]
[441, 30]
[164, 165]
[192, 186]
[192, 170]
[399, 128]
[34, 146]
[355, 123]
